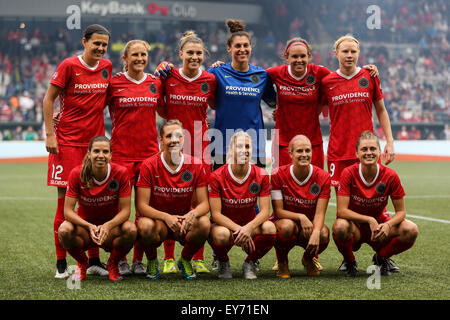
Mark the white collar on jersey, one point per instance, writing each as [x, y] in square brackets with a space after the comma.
[167, 166]
[297, 78]
[134, 80]
[350, 76]
[99, 183]
[86, 65]
[364, 180]
[236, 179]
[301, 183]
[190, 79]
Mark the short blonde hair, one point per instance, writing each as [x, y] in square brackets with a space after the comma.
[344, 38]
[231, 145]
[129, 45]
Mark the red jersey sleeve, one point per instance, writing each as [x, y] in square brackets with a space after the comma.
[125, 186]
[144, 179]
[325, 193]
[397, 191]
[62, 74]
[265, 185]
[214, 186]
[202, 179]
[345, 183]
[275, 181]
[377, 93]
[73, 185]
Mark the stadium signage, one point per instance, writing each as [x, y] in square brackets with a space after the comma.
[112, 7]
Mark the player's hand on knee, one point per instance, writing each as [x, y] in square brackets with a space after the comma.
[307, 226]
[313, 243]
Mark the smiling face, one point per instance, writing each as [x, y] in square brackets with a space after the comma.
[301, 152]
[96, 47]
[172, 139]
[136, 58]
[192, 56]
[368, 151]
[240, 49]
[347, 53]
[297, 57]
[100, 154]
[242, 150]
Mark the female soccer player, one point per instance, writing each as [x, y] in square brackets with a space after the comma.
[188, 92]
[363, 195]
[133, 99]
[240, 88]
[300, 193]
[234, 192]
[102, 190]
[81, 83]
[166, 185]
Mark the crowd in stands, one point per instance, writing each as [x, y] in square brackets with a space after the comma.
[414, 80]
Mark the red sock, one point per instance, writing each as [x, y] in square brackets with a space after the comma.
[395, 246]
[221, 250]
[93, 252]
[283, 246]
[138, 252]
[61, 252]
[117, 253]
[151, 250]
[345, 247]
[263, 243]
[190, 248]
[169, 249]
[79, 254]
[199, 254]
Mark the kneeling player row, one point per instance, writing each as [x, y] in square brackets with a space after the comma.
[172, 202]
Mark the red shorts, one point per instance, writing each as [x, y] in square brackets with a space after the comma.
[133, 168]
[281, 156]
[366, 234]
[335, 169]
[60, 164]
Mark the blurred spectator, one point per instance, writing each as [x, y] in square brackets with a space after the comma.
[26, 106]
[30, 134]
[5, 111]
[414, 134]
[402, 134]
[447, 132]
[18, 133]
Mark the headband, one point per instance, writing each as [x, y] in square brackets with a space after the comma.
[296, 43]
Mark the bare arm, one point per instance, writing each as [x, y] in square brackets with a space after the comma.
[385, 123]
[200, 210]
[344, 212]
[50, 141]
[218, 217]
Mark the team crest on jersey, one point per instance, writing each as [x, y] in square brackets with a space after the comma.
[381, 188]
[255, 187]
[363, 82]
[310, 79]
[204, 87]
[153, 88]
[187, 176]
[113, 185]
[314, 189]
[105, 74]
[255, 78]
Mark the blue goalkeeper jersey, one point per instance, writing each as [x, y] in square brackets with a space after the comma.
[238, 105]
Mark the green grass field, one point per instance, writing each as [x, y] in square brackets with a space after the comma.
[27, 258]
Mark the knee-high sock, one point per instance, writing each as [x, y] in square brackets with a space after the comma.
[151, 250]
[79, 254]
[61, 252]
[221, 250]
[283, 246]
[190, 248]
[138, 252]
[117, 253]
[263, 243]
[199, 254]
[169, 249]
[395, 246]
[345, 247]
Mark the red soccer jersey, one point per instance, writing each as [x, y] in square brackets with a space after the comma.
[298, 102]
[132, 106]
[187, 100]
[171, 191]
[239, 198]
[370, 199]
[100, 203]
[300, 196]
[350, 102]
[82, 100]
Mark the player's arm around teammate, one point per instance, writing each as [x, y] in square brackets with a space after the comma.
[300, 194]
[234, 191]
[166, 185]
[103, 193]
[362, 218]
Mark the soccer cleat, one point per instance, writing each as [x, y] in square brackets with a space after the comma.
[98, 269]
[215, 263]
[80, 272]
[153, 269]
[186, 269]
[124, 268]
[283, 270]
[249, 270]
[199, 266]
[352, 269]
[311, 267]
[343, 266]
[382, 264]
[275, 266]
[61, 269]
[169, 266]
[257, 265]
[317, 264]
[390, 264]
[114, 271]
[224, 270]
[138, 268]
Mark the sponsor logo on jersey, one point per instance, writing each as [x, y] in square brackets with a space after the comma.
[314, 189]
[204, 87]
[254, 78]
[254, 187]
[187, 176]
[310, 79]
[187, 98]
[153, 88]
[381, 188]
[91, 85]
[363, 82]
[113, 185]
[105, 74]
[138, 99]
[350, 95]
